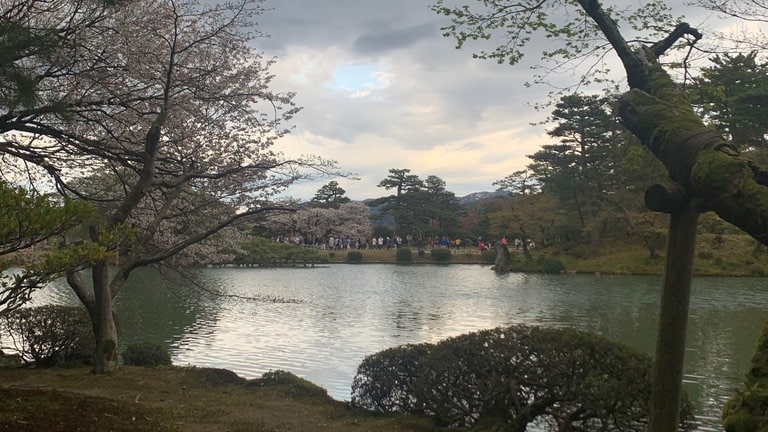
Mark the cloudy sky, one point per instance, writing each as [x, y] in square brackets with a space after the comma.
[381, 88]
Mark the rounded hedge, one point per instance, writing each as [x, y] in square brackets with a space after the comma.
[403, 255]
[146, 354]
[354, 257]
[385, 382]
[440, 255]
[508, 378]
[49, 335]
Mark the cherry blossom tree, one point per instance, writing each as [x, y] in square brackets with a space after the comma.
[36, 50]
[167, 124]
[350, 221]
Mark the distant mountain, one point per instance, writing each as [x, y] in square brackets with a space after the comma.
[477, 196]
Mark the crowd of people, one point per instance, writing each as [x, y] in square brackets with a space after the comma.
[394, 242]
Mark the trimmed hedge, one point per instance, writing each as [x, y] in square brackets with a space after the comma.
[403, 255]
[440, 255]
[509, 378]
[49, 335]
[387, 381]
[354, 257]
[146, 354]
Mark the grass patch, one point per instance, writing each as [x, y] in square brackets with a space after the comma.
[51, 410]
[716, 255]
[178, 399]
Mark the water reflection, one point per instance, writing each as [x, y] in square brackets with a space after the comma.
[152, 308]
[328, 319]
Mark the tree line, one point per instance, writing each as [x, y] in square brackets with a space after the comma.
[589, 182]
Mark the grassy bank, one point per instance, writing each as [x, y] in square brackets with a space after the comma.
[716, 255]
[177, 399]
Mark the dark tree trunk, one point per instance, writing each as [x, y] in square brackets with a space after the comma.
[673, 322]
[98, 301]
[102, 319]
[710, 174]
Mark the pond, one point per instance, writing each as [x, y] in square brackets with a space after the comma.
[319, 323]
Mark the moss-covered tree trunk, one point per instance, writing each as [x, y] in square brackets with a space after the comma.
[707, 173]
[748, 410]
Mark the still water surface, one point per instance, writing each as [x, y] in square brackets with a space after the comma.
[319, 323]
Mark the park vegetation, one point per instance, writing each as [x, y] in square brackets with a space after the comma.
[48, 335]
[156, 132]
[163, 123]
[513, 378]
[704, 170]
[505, 378]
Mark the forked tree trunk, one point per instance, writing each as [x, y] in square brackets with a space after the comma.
[104, 328]
[98, 301]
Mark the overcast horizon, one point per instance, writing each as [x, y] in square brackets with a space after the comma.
[381, 88]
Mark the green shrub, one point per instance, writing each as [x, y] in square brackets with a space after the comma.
[559, 379]
[538, 265]
[488, 256]
[50, 334]
[705, 255]
[146, 354]
[440, 255]
[403, 255]
[354, 257]
[264, 252]
[550, 265]
[385, 381]
[756, 270]
[295, 386]
[747, 410]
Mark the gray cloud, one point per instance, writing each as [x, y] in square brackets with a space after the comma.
[381, 88]
[386, 40]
